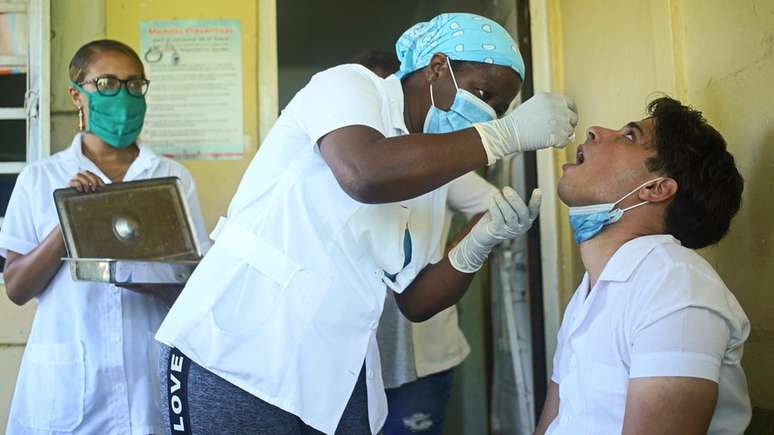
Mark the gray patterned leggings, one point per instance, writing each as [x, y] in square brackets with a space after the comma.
[198, 402]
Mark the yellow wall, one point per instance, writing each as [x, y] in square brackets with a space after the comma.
[612, 55]
[216, 180]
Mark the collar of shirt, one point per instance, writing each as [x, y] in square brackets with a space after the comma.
[626, 259]
[395, 94]
[146, 160]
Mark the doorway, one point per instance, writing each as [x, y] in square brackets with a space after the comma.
[313, 36]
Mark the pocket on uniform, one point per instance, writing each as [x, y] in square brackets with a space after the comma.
[256, 286]
[257, 300]
[268, 281]
[245, 306]
[380, 231]
[50, 393]
[255, 329]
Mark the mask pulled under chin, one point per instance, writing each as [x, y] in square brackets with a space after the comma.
[589, 220]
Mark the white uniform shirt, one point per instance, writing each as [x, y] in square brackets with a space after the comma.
[658, 309]
[412, 350]
[286, 303]
[90, 361]
[439, 344]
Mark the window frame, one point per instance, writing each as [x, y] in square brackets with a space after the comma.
[37, 101]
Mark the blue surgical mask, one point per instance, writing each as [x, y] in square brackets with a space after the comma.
[465, 110]
[589, 220]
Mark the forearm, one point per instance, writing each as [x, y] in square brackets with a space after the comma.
[546, 418]
[464, 231]
[409, 166]
[26, 276]
[550, 408]
[403, 167]
[441, 285]
[437, 287]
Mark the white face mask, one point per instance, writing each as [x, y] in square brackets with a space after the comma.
[589, 220]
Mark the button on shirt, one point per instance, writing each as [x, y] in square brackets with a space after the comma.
[287, 302]
[90, 361]
[658, 309]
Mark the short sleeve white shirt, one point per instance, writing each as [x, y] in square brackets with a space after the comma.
[90, 361]
[658, 310]
[414, 350]
[286, 303]
[439, 343]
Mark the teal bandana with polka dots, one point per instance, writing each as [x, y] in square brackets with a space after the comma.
[459, 36]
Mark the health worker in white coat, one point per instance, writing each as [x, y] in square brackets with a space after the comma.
[275, 331]
[90, 361]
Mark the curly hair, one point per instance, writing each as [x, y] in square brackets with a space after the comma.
[694, 154]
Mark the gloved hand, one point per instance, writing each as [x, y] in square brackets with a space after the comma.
[507, 218]
[545, 120]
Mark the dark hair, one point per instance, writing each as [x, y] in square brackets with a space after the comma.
[85, 55]
[693, 153]
[375, 58]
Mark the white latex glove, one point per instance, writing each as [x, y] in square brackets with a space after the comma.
[545, 120]
[507, 218]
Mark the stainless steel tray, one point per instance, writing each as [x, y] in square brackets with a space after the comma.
[136, 232]
[128, 272]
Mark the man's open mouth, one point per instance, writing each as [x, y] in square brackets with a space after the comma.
[579, 158]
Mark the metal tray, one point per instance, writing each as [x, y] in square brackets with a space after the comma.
[136, 232]
[130, 271]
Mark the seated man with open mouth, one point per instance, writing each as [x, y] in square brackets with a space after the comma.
[651, 342]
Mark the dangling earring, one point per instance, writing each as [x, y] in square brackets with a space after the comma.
[81, 127]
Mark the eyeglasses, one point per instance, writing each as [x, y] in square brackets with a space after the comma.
[110, 86]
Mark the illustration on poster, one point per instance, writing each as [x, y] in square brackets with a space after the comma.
[156, 53]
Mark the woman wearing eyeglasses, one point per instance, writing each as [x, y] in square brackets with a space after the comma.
[90, 361]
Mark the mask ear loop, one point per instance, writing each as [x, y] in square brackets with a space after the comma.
[448, 62]
[638, 188]
[478, 100]
[432, 100]
[635, 206]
